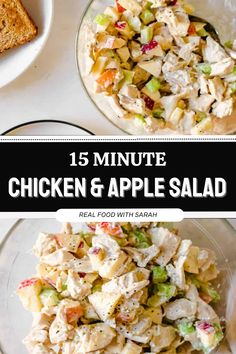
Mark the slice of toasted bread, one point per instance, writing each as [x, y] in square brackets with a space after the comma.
[16, 27]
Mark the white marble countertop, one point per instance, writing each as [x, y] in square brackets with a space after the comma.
[51, 87]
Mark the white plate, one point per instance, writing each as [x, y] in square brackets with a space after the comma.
[47, 128]
[14, 62]
[17, 263]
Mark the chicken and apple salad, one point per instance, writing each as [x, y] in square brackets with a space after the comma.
[159, 66]
[121, 288]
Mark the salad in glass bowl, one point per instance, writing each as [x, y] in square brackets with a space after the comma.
[121, 288]
[159, 68]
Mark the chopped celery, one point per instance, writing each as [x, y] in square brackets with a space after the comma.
[218, 332]
[97, 287]
[166, 290]
[211, 292]
[140, 117]
[200, 116]
[202, 32]
[64, 287]
[159, 275]
[128, 77]
[147, 16]
[229, 44]
[158, 113]
[205, 68]
[154, 301]
[185, 328]
[49, 297]
[103, 20]
[146, 35]
[234, 70]
[153, 85]
[142, 240]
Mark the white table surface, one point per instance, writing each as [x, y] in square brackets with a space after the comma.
[51, 87]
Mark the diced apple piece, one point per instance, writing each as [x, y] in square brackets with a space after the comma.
[154, 96]
[131, 5]
[191, 263]
[69, 242]
[96, 256]
[131, 348]
[176, 116]
[124, 54]
[99, 66]
[28, 292]
[104, 303]
[146, 35]
[155, 313]
[73, 313]
[124, 29]
[153, 67]
[113, 265]
[113, 13]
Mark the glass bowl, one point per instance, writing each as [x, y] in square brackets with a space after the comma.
[220, 13]
[17, 262]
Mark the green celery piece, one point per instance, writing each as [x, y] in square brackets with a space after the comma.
[135, 23]
[128, 77]
[234, 70]
[147, 16]
[97, 287]
[140, 117]
[64, 287]
[202, 33]
[218, 332]
[185, 327]
[49, 297]
[211, 292]
[159, 275]
[158, 113]
[205, 68]
[229, 44]
[166, 290]
[200, 116]
[103, 19]
[154, 301]
[153, 85]
[146, 35]
[141, 239]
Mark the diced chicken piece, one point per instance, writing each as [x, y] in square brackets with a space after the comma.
[176, 273]
[191, 263]
[45, 245]
[40, 348]
[186, 50]
[162, 338]
[183, 249]
[169, 104]
[224, 108]
[205, 311]
[171, 63]
[188, 121]
[77, 287]
[68, 347]
[213, 52]
[216, 88]
[164, 38]
[115, 105]
[140, 331]
[132, 105]
[205, 126]
[94, 337]
[206, 258]
[192, 293]
[130, 91]
[177, 22]
[202, 103]
[131, 348]
[167, 242]
[129, 283]
[105, 242]
[142, 256]
[104, 303]
[153, 67]
[158, 3]
[82, 265]
[57, 258]
[222, 68]
[116, 345]
[203, 83]
[180, 308]
[178, 77]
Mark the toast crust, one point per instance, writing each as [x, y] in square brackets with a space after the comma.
[16, 26]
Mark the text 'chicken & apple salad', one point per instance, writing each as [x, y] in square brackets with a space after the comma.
[160, 68]
[121, 288]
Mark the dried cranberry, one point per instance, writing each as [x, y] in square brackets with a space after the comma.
[148, 102]
[120, 8]
[104, 225]
[204, 326]
[173, 2]
[120, 25]
[147, 47]
[82, 275]
[81, 245]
